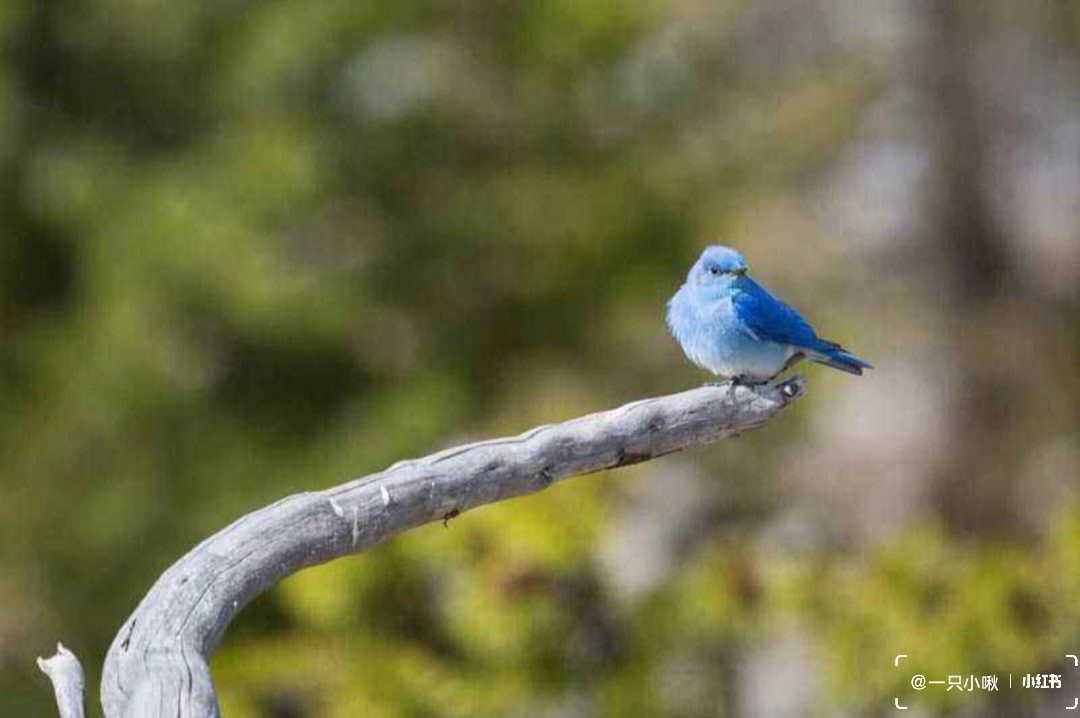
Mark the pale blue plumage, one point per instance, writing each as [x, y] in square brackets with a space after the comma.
[732, 326]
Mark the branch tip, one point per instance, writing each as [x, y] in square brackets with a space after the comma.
[66, 674]
[792, 388]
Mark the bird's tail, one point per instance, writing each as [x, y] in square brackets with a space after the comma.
[837, 357]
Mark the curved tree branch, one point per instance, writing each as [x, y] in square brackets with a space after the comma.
[157, 664]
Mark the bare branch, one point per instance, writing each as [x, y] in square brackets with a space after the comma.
[66, 674]
[157, 666]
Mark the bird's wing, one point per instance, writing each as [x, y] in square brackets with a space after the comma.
[764, 317]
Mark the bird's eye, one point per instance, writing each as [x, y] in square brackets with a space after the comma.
[714, 270]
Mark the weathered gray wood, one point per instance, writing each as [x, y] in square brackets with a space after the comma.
[66, 674]
[157, 666]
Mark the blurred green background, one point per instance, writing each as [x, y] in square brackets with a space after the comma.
[254, 248]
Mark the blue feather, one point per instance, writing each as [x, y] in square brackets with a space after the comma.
[769, 319]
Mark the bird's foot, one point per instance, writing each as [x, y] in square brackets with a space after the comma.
[734, 383]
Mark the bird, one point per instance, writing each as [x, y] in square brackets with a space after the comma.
[730, 325]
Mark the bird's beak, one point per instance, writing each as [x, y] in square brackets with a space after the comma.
[741, 272]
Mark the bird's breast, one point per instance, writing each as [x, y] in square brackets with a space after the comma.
[714, 338]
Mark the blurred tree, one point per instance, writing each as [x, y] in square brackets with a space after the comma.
[249, 248]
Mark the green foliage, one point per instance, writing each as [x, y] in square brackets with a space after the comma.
[980, 609]
[256, 248]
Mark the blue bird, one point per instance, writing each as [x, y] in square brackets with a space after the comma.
[729, 324]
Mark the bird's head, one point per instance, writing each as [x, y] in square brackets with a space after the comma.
[717, 267]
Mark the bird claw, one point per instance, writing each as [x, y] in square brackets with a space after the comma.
[732, 385]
